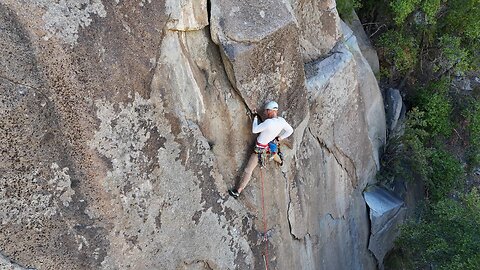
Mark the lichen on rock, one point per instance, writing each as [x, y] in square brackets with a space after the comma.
[159, 194]
[63, 18]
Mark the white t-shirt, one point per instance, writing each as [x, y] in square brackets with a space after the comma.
[271, 128]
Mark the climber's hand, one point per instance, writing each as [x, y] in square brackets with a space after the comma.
[254, 113]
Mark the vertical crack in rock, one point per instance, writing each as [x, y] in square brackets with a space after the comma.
[259, 48]
[289, 207]
[335, 152]
[231, 80]
[297, 140]
[226, 69]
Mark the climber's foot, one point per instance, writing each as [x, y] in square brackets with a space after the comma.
[234, 193]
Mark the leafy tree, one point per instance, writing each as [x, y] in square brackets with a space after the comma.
[399, 51]
[346, 7]
[434, 101]
[446, 174]
[452, 56]
[431, 9]
[444, 32]
[472, 114]
[463, 18]
[420, 41]
[406, 155]
[448, 238]
[402, 9]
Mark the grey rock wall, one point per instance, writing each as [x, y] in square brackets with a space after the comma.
[125, 122]
[259, 44]
[368, 51]
[387, 212]
[319, 27]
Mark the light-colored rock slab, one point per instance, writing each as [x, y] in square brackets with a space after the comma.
[333, 87]
[119, 149]
[387, 212]
[364, 43]
[186, 15]
[371, 95]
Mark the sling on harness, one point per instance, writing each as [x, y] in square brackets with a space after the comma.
[267, 152]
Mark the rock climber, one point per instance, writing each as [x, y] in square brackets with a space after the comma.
[272, 131]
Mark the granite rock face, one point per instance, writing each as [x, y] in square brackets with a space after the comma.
[123, 124]
[370, 93]
[259, 44]
[186, 15]
[6, 264]
[368, 51]
[319, 26]
[387, 211]
[395, 110]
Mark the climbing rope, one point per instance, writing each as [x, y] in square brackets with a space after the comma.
[264, 223]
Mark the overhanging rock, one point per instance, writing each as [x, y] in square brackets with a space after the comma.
[319, 25]
[387, 211]
[259, 43]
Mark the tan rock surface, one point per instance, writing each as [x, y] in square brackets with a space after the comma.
[120, 137]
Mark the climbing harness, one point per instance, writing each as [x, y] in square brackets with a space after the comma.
[265, 258]
[267, 152]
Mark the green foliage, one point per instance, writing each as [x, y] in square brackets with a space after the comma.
[397, 260]
[416, 154]
[463, 18]
[431, 8]
[400, 51]
[406, 156]
[474, 124]
[346, 7]
[446, 32]
[412, 155]
[452, 55]
[402, 9]
[448, 238]
[420, 41]
[472, 114]
[446, 173]
[434, 101]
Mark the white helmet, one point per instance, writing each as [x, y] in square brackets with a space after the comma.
[272, 105]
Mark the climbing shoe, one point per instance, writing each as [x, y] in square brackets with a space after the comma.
[234, 193]
[278, 159]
